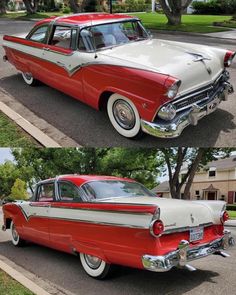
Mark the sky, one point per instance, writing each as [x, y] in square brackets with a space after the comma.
[5, 154]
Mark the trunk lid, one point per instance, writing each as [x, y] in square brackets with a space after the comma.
[176, 214]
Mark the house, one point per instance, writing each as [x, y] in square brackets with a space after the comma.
[216, 181]
[162, 190]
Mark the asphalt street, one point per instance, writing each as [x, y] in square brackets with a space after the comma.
[91, 128]
[215, 274]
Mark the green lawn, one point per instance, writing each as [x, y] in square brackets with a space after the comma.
[12, 135]
[190, 23]
[21, 15]
[232, 214]
[8, 286]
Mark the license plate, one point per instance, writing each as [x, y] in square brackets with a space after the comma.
[212, 106]
[196, 234]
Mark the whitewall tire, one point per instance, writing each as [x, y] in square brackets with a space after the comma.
[29, 79]
[124, 116]
[15, 238]
[94, 266]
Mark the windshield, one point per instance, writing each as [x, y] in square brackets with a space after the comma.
[114, 189]
[109, 35]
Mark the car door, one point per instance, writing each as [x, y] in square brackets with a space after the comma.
[62, 60]
[63, 226]
[38, 214]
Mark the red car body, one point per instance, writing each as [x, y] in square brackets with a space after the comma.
[115, 231]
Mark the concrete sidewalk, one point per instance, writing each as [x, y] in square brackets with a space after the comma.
[231, 222]
[225, 35]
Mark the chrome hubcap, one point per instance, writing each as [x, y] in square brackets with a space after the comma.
[93, 261]
[27, 76]
[124, 114]
[14, 233]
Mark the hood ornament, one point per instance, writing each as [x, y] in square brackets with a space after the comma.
[192, 218]
[200, 57]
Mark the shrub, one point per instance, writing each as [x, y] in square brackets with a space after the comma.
[132, 6]
[215, 7]
[231, 207]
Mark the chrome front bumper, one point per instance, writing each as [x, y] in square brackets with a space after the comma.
[184, 254]
[174, 128]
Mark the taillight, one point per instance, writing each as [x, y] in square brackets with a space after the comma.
[229, 56]
[224, 217]
[156, 228]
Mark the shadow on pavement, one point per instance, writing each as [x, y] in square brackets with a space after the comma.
[65, 270]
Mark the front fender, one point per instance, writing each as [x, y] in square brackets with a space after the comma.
[146, 89]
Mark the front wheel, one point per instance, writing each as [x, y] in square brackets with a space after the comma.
[29, 79]
[124, 116]
[15, 238]
[94, 266]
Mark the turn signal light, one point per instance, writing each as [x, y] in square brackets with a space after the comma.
[224, 217]
[157, 228]
[229, 56]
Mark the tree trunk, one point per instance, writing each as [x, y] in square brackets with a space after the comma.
[174, 9]
[2, 6]
[192, 172]
[31, 6]
[74, 6]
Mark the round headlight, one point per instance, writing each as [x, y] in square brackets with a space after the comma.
[167, 112]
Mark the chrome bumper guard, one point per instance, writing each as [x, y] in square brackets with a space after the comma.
[175, 127]
[184, 254]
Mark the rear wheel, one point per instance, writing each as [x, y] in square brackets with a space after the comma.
[94, 266]
[29, 79]
[15, 238]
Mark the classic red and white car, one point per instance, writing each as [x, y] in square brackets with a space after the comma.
[109, 220]
[110, 62]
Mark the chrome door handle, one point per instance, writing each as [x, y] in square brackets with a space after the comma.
[46, 48]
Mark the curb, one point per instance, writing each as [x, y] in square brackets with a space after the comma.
[37, 134]
[43, 132]
[190, 34]
[22, 279]
[29, 280]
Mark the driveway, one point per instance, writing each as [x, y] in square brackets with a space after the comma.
[91, 128]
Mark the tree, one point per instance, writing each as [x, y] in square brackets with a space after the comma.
[74, 6]
[3, 4]
[8, 174]
[36, 164]
[19, 190]
[174, 9]
[31, 6]
[193, 158]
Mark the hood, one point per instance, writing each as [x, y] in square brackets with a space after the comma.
[171, 58]
[176, 213]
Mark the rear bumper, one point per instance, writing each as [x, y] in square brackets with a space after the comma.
[172, 129]
[184, 254]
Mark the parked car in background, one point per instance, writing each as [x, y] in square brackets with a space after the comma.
[109, 220]
[110, 62]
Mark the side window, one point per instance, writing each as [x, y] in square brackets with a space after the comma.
[39, 35]
[45, 193]
[69, 192]
[62, 37]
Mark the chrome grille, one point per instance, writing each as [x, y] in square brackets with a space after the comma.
[199, 96]
[191, 100]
